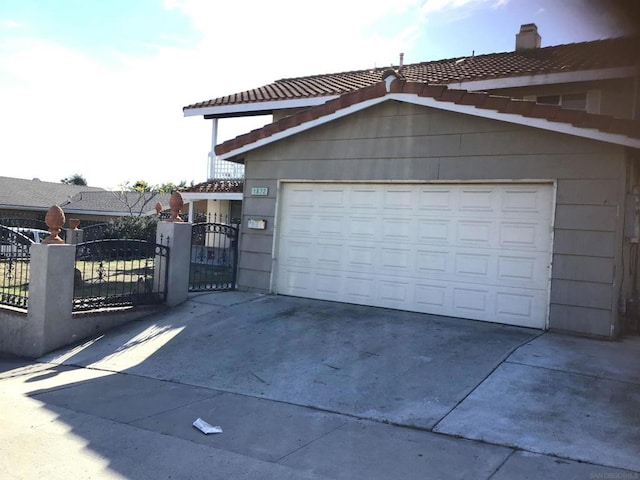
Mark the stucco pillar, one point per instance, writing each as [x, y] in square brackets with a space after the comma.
[177, 236]
[50, 298]
[74, 236]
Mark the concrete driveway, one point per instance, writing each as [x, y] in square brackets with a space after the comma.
[517, 394]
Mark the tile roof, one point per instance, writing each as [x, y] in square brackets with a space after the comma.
[483, 101]
[594, 55]
[216, 186]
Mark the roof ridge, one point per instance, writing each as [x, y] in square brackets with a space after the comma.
[599, 54]
[452, 59]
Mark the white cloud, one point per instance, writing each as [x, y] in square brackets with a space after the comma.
[65, 112]
[10, 23]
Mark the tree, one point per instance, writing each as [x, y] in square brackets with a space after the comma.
[75, 179]
[171, 187]
[138, 195]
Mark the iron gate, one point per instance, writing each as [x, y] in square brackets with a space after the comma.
[120, 272]
[214, 257]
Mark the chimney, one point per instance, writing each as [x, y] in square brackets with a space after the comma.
[528, 38]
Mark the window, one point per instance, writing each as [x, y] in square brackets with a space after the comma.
[574, 101]
[549, 100]
[571, 101]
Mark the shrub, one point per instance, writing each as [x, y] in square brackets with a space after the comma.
[139, 228]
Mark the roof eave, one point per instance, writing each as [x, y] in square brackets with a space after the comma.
[546, 79]
[256, 108]
[193, 196]
[431, 102]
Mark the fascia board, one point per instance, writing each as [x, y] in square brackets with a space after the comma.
[545, 79]
[194, 196]
[303, 127]
[541, 123]
[30, 208]
[223, 110]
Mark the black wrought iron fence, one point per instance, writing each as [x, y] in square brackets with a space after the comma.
[119, 272]
[214, 255]
[14, 267]
[14, 283]
[23, 222]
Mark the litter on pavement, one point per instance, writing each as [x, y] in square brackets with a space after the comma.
[206, 428]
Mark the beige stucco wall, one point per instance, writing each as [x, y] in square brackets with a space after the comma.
[395, 142]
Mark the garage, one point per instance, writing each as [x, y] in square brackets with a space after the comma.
[472, 250]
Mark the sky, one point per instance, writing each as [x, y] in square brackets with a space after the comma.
[96, 88]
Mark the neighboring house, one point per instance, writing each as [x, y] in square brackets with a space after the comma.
[30, 199]
[407, 188]
[216, 201]
[103, 205]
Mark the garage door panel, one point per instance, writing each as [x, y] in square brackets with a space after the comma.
[478, 200]
[396, 259]
[330, 198]
[520, 306]
[523, 201]
[395, 230]
[523, 271]
[301, 196]
[470, 301]
[363, 228]
[367, 199]
[361, 256]
[434, 231]
[297, 282]
[299, 253]
[514, 305]
[398, 198]
[327, 283]
[327, 255]
[394, 292]
[360, 289]
[300, 225]
[476, 233]
[474, 265]
[521, 235]
[435, 200]
[434, 298]
[473, 251]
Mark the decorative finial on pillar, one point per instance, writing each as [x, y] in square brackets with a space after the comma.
[158, 209]
[74, 223]
[175, 205]
[54, 220]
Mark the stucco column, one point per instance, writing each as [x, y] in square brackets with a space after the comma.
[177, 236]
[50, 298]
[74, 236]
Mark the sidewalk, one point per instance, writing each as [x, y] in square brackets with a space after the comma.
[526, 405]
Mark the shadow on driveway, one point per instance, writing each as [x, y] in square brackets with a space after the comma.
[296, 383]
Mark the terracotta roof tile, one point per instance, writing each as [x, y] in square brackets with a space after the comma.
[629, 128]
[216, 186]
[598, 54]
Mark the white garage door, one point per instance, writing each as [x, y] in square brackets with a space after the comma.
[478, 251]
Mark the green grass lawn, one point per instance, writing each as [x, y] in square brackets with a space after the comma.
[14, 277]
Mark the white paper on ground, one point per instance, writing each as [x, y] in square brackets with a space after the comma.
[205, 428]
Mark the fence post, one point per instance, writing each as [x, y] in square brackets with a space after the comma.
[50, 298]
[74, 235]
[177, 236]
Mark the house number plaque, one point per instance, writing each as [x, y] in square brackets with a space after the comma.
[259, 191]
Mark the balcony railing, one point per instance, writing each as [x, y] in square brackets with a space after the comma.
[224, 170]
